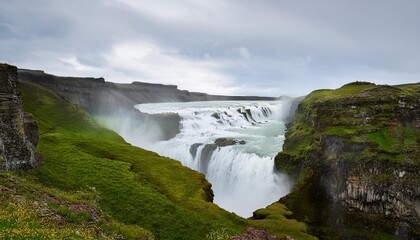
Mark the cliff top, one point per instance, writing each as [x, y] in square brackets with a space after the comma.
[387, 117]
[362, 90]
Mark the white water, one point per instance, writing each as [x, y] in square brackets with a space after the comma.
[242, 175]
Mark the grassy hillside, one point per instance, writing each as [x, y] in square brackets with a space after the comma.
[95, 185]
[31, 210]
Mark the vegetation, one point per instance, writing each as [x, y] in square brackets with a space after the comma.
[359, 112]
[393, 139]
[95, 185]
[32, 211]
[355, 126]
[276, 215]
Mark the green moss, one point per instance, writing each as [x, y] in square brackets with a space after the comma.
[395, 139]
[410, 89]
[276, 215]
[328, 95]
[345, 130]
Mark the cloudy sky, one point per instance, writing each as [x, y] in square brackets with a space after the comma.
[242, 47]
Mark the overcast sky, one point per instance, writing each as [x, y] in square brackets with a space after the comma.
[241, 47]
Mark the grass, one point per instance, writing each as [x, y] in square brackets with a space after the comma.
[137, 192]
[328, 94]
[343, 131]
[395, 139]
[31, 210]
[275, 215]
[411, 89]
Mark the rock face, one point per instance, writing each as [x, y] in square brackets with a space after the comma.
[208, 150]
[355, 154]
[18, 130]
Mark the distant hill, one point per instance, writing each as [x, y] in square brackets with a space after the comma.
[99, 96]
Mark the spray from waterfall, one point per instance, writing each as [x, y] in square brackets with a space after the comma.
[233, 143]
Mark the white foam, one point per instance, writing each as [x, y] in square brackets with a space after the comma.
[243, 176]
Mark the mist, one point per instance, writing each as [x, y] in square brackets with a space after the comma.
[174, 129]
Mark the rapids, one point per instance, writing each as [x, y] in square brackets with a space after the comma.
[241, 169]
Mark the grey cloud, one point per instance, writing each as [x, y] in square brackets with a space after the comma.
[263, 45]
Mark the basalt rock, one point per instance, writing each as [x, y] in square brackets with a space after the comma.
[223, 142]
[206, 154]
[355, 154]
[194, 148]
[18, 130]
[209, 149]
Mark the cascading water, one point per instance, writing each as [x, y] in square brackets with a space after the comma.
[233, 143]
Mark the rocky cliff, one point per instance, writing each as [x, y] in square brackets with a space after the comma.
[18, 130]
[355, 153]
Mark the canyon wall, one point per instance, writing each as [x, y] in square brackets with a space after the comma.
[355, 153]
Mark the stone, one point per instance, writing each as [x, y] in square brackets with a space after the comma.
[206, 156]
[194, 148]
[18, 130]
[224, 142]
[251, 233]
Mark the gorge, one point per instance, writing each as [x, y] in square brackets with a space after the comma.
[233, 143]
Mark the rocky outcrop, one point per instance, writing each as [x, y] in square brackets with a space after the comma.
[18, 130]
[208, 150]
[251, 233]
[223, 142]
[355, 154]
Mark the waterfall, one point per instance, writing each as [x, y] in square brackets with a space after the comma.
[233, 143]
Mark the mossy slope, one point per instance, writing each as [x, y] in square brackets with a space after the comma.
[31, 210]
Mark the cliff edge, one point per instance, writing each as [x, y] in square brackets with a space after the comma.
[18, 130]
[355, 153]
